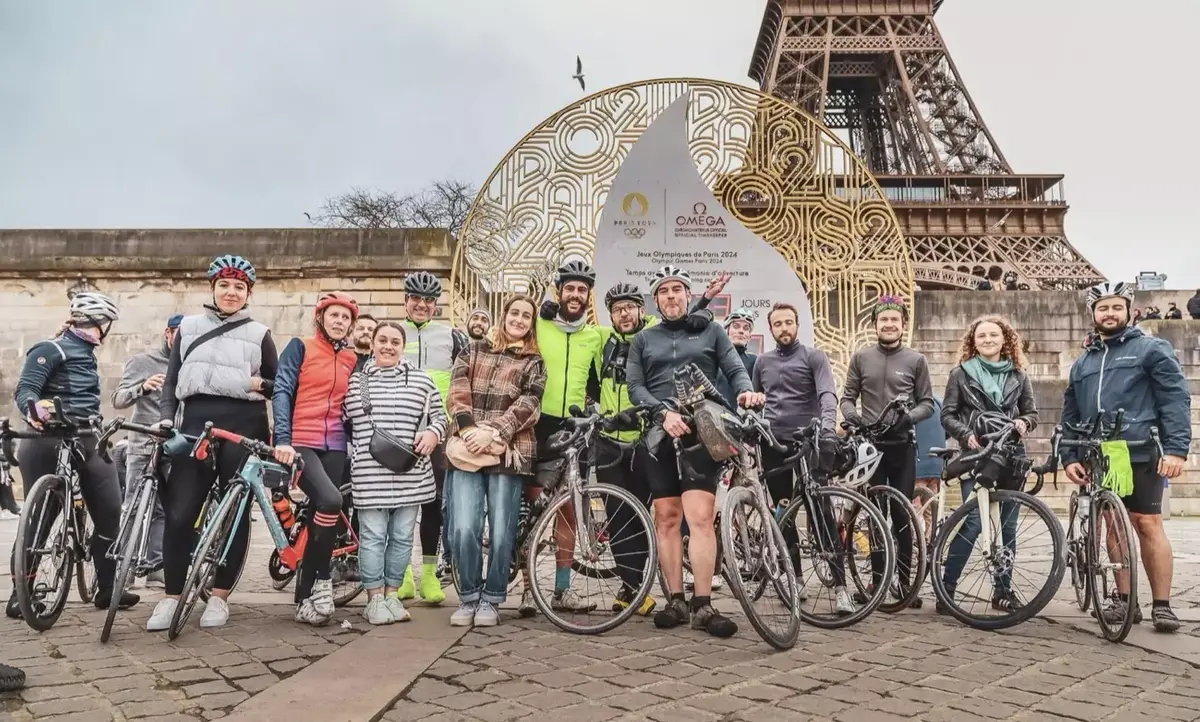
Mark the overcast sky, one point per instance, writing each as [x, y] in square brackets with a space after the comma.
[226, 113]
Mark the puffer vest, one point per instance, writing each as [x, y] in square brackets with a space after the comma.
[430, 347]
[221, 366]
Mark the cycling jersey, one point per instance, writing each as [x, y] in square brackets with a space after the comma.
[656, 352]
[433, 348]
[610, 369]
[878, 375]
[310, 385]
[570, 365]
[799, 386]
[64, 367]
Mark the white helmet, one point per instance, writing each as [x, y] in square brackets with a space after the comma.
[93, 307]
[866, 461]
[669, 273]
[1115, 289]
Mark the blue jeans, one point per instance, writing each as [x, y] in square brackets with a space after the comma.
[385, 545]
[964, 541]
[466, 493]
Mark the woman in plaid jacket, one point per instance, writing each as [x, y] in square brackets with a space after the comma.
[495, 396]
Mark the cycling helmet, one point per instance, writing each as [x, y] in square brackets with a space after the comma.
[337, 298]
[742, 314]
[423, 284]
[890, 303]
[669, 273]
[230, 266]
[866, 461]
[93, 307]
[1117, 289]
[622, 292]
[576, 271]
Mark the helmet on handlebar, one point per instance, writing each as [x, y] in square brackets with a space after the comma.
[717, 430]
[863, 459]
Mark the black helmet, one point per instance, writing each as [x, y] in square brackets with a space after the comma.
[423, 284]
[576, 271]
[622, 292]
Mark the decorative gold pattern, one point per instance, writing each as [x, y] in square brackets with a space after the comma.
[786, 178]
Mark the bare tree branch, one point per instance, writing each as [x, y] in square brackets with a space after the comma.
[444, 204]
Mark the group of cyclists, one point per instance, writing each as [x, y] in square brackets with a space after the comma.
[221, 366]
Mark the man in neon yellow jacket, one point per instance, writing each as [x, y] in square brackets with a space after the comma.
[433, 348]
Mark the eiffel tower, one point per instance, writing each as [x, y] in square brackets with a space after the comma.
[879, 74]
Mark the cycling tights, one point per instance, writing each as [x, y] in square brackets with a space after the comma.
[320, 481]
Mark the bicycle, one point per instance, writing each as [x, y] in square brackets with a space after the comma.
[129, 548]
[258, 473]
[283, 565]
[1094, 505]
[998, 459]
[40, 605]
[905, 585]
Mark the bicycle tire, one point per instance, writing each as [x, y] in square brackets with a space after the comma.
[541, 526]
[88, 584]
[350, 593]
[132, 538]
[11, 678]
[1077, 563]
[1100, 500]
[1031, 607]
[280, 575]
[917, 572]
[206, 592]
[38, 495]
[203, 570]
[857, 502]
[737, 497]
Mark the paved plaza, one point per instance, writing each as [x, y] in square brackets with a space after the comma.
[916, 665]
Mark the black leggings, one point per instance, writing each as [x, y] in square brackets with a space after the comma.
[897, 469]
[431, 511]
[629, 553]
[101, 495]
[320, 481]
[186, 489]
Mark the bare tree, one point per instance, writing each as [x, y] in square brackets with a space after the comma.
[443, 204]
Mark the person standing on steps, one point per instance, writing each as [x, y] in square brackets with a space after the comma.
[432, 347]
[877, 375]
[310, 387]
[141, 388]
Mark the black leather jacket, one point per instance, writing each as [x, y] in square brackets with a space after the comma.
[965, 399]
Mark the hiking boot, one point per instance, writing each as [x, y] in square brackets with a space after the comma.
[713, 622]
[674, 614]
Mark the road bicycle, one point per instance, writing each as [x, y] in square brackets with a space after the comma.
[1096, 517]
[41, 597]
[998, 464]
[258, 474]
[293, 516]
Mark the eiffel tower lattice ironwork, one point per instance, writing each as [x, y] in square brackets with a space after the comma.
[878, 72]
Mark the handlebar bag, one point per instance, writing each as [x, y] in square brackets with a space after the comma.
[720, 439]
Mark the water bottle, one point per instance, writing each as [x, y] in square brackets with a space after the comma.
[283, 509]
[781, 509]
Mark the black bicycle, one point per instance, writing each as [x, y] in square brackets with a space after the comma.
[41, 596]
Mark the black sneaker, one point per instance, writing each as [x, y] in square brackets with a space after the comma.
[128, 599]
[1114, 612]
[1164, 619]
[714, 622]
[12, 610]
[673, 615]
[1006, 601]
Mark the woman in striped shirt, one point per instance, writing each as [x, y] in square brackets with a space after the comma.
[391, 395]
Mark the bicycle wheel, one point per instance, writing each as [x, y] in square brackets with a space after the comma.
[281, 576]
[592, 543]
[1077, 559]
[925, 503]
[744, 512]
[206, 590]
[130, 538]
[1111, 547]
[343, 568]
[85, 571]
[37, 536]
[848, 533]
[207, 557]
[905, 584]
[998, 570]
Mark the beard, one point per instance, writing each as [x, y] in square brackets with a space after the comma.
[568, 315]
[476, 333]
[1114, 330]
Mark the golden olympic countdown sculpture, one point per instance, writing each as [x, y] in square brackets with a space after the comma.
[781, 173]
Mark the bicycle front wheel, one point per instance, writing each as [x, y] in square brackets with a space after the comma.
[1112, 562]
[1077, 557]
[85, 571]
[208, 557]
[43, 534]
[206, 590]
[774, 608]
[131, 535]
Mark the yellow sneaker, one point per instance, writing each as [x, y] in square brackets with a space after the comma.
[645, 609]
[431, 586]
[408, 589]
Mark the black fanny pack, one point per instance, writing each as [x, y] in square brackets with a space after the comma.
[390, 452]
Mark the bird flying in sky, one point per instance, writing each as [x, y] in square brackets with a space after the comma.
[579, 73]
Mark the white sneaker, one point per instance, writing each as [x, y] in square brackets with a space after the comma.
[464, 616]
[322, 597]
[160, 618]
[718, 581]
[843, 604]
[216, 613]
[396, 607]
[570, 601]
[377, 611]
[306, 613]
[6, 515]
[486, 615]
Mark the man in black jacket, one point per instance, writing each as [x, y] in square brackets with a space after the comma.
[1193, 305]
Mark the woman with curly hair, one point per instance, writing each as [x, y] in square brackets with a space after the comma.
[990, 377]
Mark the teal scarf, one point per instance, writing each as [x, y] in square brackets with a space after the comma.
[991, 375]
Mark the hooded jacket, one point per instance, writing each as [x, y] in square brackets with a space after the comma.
[146, 404]
[1137, 373]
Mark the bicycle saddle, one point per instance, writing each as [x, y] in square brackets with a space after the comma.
[941, 452]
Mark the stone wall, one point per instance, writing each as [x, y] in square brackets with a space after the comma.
[1054, 324]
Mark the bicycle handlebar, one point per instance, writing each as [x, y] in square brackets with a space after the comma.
[120, 424]
[211, 433]
[581, 421]
[877, 426]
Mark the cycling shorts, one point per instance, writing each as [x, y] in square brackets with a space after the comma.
[1147, 490]
[662, 473]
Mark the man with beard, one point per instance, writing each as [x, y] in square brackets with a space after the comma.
[479, 323]
[877, 375]
[432, 347]
[1125, 369]
[739, 326]
[360, 336]
[140, 387]
[654, 354]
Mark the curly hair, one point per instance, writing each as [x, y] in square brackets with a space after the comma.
[1012, 349]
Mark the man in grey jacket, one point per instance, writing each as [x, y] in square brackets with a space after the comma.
[140, 387]
[877, 375]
